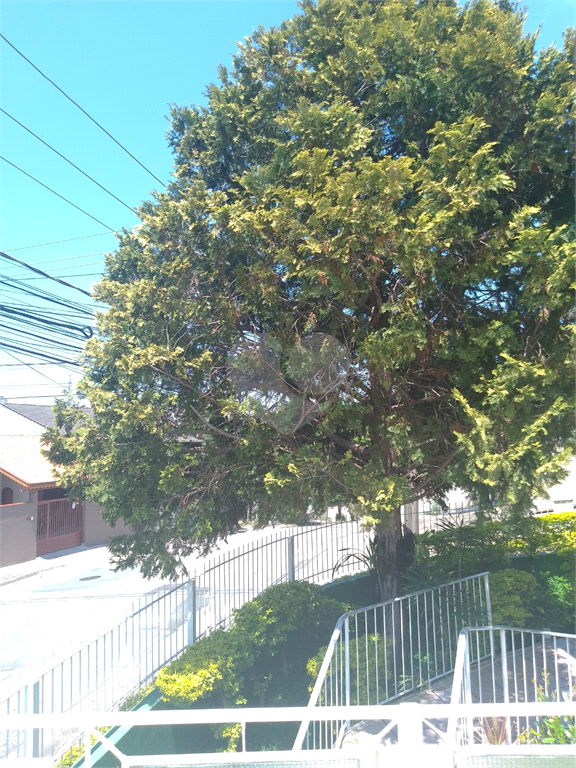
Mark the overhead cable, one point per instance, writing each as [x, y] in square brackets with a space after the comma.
[35, 397]
[67, 258]
[44, 274]
[84, 274]
[82, 110]
[56, 193]
[38, 293]
[33, 368]
[4, 345]
[55, 242]
[68, 161]
[53, 342]
[85, 330]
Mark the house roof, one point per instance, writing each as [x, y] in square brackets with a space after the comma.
[22, 461]
[39, 414]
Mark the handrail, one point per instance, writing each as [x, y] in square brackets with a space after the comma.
[409, 718]
[337, 634]
[512, 672]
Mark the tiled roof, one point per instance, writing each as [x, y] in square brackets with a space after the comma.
[40, 414]
[22, 460]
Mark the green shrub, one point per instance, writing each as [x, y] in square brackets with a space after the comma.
[465, 549]
[365, 675]
[515, 597]
[560, 603]
[554, 532]
[260, 660]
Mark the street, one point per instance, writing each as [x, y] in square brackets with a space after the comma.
[52, 606]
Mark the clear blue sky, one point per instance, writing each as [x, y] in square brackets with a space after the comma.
[124, 62]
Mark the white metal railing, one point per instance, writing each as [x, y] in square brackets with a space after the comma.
[379, 653]
[399, 736]
[504, 665]
[102, 674]
[302, 554]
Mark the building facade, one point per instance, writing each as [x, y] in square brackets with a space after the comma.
[36, 515]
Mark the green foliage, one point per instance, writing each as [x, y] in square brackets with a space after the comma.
[135, 698]
[463, 549]
[367, 675]
[559, 602]
[539, 600]
[260, 660]
[520, 599]
[550, 730]
[515, 597]
[356, 290]
[550, 533]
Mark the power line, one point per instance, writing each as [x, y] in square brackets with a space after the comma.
[55, 193]
[44, 338]
[55, 242]
[85, 274]
[65, 258]
[20, 365]
[44, 274]
[32, 367]
[34, 397]
[67, 268]
[68, 161]
[82, 110]
[84, 331]
[5, 346]
[39, 293]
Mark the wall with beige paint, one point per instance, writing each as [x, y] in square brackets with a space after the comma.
[96, 531]
[17, 533]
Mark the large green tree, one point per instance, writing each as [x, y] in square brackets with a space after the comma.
[357, 289]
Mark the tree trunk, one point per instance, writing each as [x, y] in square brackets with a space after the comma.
[395, 549]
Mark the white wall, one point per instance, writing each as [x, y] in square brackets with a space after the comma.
[13, 424]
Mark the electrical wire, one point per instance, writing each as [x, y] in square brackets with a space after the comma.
[82, 110]
[76, 309]
[40, 293]
[6, 346]
[55, 193]
[32, 367]
[55, 242]
[66, 258]
[85, 331]
[84, 274]
[35, 397]
[28, 334]
[44, 274]
[68, 161]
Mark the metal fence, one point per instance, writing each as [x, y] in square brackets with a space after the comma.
[434, 518]
[379, 653]
[104, 673]
[395, 735]
[503, 665]
[307, 554]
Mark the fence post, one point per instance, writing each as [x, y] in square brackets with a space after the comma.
[488, 601]
[291, 568]
[191, 610]
[506, 692]
[36, 711]
[347, 658]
